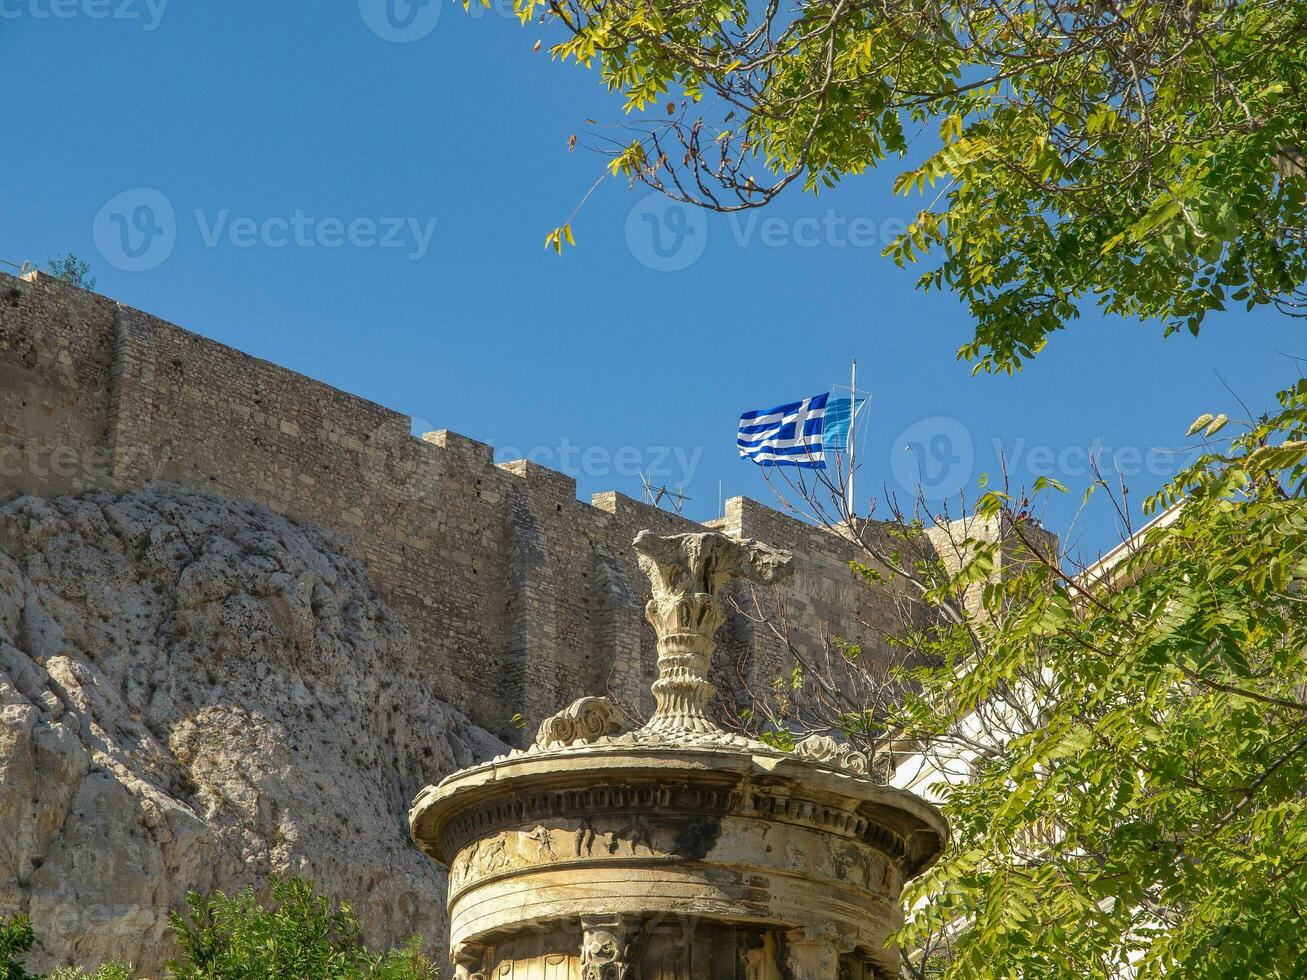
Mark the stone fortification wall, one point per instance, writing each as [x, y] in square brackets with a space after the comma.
[519, 596]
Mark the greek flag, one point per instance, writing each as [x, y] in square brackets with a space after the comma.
[839, 419]
[788, 435]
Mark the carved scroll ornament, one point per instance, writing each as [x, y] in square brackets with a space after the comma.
[823, 748]
[584, 720]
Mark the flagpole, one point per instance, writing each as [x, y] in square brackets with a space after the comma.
[853, 412]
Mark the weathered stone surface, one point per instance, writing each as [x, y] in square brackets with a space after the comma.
[678, 850]
[195, 693]
[823, 748]
[520, 597]
[686, 572]
[584, 720]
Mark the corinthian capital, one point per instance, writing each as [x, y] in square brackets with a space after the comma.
[687, 571]
[688, 564]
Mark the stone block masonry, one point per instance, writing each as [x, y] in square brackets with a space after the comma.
[522, 597]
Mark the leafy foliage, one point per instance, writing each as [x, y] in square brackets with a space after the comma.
[1146, 157]
[72, 270]
[109, 971]
[1136, 739]
[299, 937]
[16, 938]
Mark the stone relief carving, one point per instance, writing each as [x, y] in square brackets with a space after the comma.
[543, 838]
[663, 820]
[627, 836]
[585, 837]
[469, 961]
[687, 571]
[753, 963]
[635, 833]
[584, 720]
[461, 869]
[495, 856]
[813, 954]
[609, 948]
[662, 838]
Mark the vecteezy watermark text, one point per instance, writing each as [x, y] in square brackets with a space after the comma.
[137, 230]
[830, 230]
[674, 465]
[148, 12]
[302, 230]
[936, 457]
[668, 235]
[406, 21]
[93, 465]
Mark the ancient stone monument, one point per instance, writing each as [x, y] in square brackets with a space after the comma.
[676, 850]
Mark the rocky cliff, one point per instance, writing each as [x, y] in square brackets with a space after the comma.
[196, 693]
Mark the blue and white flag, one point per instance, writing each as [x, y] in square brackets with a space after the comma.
[835, 429]
[788, 435]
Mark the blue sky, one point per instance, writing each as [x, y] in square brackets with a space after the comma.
[365, 200]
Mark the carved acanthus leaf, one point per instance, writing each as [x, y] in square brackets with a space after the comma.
[702, 564]
[686, 572]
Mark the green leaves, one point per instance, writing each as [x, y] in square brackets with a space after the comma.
[1143, 159]
[16, 938]
[1139, 798]
[1208, 424]
[72, 270]
[555, 239]
[297, 936]
[630, 161]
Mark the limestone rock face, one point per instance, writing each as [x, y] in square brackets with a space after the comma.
[196, 693]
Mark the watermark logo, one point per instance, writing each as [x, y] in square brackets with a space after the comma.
[673, 465]
[831, 230]
[666, 235]
[149, 13]
[302, 230]
[136, 230]
[933, 456]
[1098, 459]
[400, 21]
[84, 465]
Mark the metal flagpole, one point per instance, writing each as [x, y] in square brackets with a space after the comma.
[853, 412]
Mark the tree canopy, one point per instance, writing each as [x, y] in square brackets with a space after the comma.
[1120, 749]
[1143, 156]
[1152, 812]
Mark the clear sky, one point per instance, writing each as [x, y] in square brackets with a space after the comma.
[360, 190]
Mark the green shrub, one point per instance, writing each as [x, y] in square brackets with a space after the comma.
[110, 971]
[298, 936]
[16, 938]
